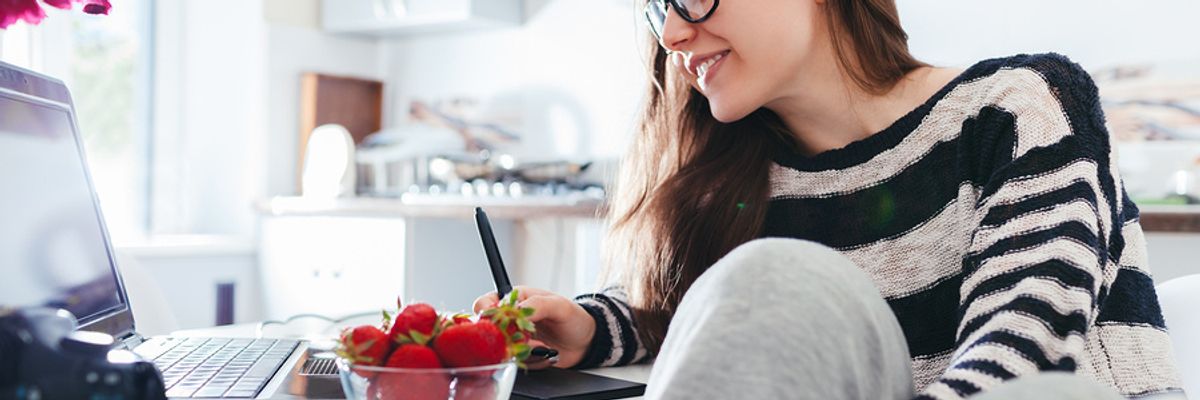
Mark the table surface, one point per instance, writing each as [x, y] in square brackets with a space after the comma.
[315, 329]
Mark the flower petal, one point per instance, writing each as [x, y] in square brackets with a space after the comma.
[63, 4]
[12, 11]
[97, 7]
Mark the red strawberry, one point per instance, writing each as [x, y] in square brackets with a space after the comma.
[364, 345]
[413, 356]
[432, 385]
[471, 344]
[415, 324]
[475, 388]
[412, 384]
[514, 321]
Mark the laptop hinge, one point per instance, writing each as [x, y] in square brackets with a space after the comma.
[131, 340]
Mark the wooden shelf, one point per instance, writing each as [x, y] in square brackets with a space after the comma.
[1178, 219]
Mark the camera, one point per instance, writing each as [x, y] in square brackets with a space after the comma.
[43, 356]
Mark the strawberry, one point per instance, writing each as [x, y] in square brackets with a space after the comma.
[415, 324]
[364, 345]
[413, 356]
[432, 385]
[411, 385]
[461, 319]
[475, 388]
[514, 321]
[471, 344]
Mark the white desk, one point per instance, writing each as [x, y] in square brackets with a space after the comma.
[318, 330]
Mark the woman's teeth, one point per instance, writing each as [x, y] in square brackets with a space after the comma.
[703, 68]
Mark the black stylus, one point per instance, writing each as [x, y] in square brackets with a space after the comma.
[503, 285]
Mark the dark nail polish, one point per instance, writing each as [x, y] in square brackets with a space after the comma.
[543, 352]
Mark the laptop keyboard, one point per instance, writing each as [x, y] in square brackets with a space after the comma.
[221, 367]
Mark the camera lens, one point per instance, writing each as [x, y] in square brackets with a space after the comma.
[94, 344]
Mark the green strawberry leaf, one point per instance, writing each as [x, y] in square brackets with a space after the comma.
[525, 325]
[419, 337]
[526, 312]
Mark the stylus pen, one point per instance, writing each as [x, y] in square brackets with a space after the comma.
[503, 285]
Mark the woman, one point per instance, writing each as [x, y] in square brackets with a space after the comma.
[958, 229]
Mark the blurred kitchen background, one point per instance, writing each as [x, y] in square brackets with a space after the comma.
[258, 159]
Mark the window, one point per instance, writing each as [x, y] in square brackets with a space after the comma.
[105, 61]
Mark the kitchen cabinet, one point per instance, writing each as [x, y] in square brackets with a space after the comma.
[408, 17]
[343, 256]
[332, 266]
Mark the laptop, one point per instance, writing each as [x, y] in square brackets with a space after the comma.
[55, 251]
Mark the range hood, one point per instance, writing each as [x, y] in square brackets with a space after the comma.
[409, 17]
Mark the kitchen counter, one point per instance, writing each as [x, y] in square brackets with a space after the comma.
[437, 206]
[1154, 218]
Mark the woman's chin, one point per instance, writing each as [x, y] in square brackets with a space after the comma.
[727, 114]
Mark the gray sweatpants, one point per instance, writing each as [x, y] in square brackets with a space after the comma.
[792, 319]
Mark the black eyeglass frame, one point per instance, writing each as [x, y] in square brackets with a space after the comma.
[656, 17]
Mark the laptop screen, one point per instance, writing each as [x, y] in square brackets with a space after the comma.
[53, 245]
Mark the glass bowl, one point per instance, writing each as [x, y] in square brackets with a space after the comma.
[488, 382]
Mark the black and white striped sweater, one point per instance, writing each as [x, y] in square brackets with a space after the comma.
[993, 221]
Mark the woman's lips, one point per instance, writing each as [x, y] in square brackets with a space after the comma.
[708, 70]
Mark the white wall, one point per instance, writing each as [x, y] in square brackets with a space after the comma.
[1095, 33]
[574, 73]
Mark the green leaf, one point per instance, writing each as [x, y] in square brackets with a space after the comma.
[418, 337]
[525, 325]
[527, 312]
[387, 319]
[512, 298]
[520, 351]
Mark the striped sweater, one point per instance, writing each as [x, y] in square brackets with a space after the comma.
[993, 221]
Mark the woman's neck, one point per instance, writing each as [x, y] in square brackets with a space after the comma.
[826, 110]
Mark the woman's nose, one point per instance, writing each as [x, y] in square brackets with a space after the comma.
[676, 32]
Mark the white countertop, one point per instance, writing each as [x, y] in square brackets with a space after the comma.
[435, 206]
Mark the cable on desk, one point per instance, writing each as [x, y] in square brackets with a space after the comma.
[258, 329]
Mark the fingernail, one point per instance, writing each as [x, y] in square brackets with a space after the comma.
[553, 360]
[543, 352]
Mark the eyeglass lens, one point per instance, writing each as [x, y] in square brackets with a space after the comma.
[690, 10]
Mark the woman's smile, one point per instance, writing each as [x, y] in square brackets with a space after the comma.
[705, 67]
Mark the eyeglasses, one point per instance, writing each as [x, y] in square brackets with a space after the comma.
[692, 11]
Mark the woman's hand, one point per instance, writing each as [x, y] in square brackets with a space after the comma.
[561, 324]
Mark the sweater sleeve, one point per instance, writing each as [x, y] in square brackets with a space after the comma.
[1039, 262]
[616, 341]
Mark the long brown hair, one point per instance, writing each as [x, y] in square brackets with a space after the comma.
[691, 188]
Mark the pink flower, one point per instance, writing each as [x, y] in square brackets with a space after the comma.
[12, 11]
[89, 6]
[31, 12]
